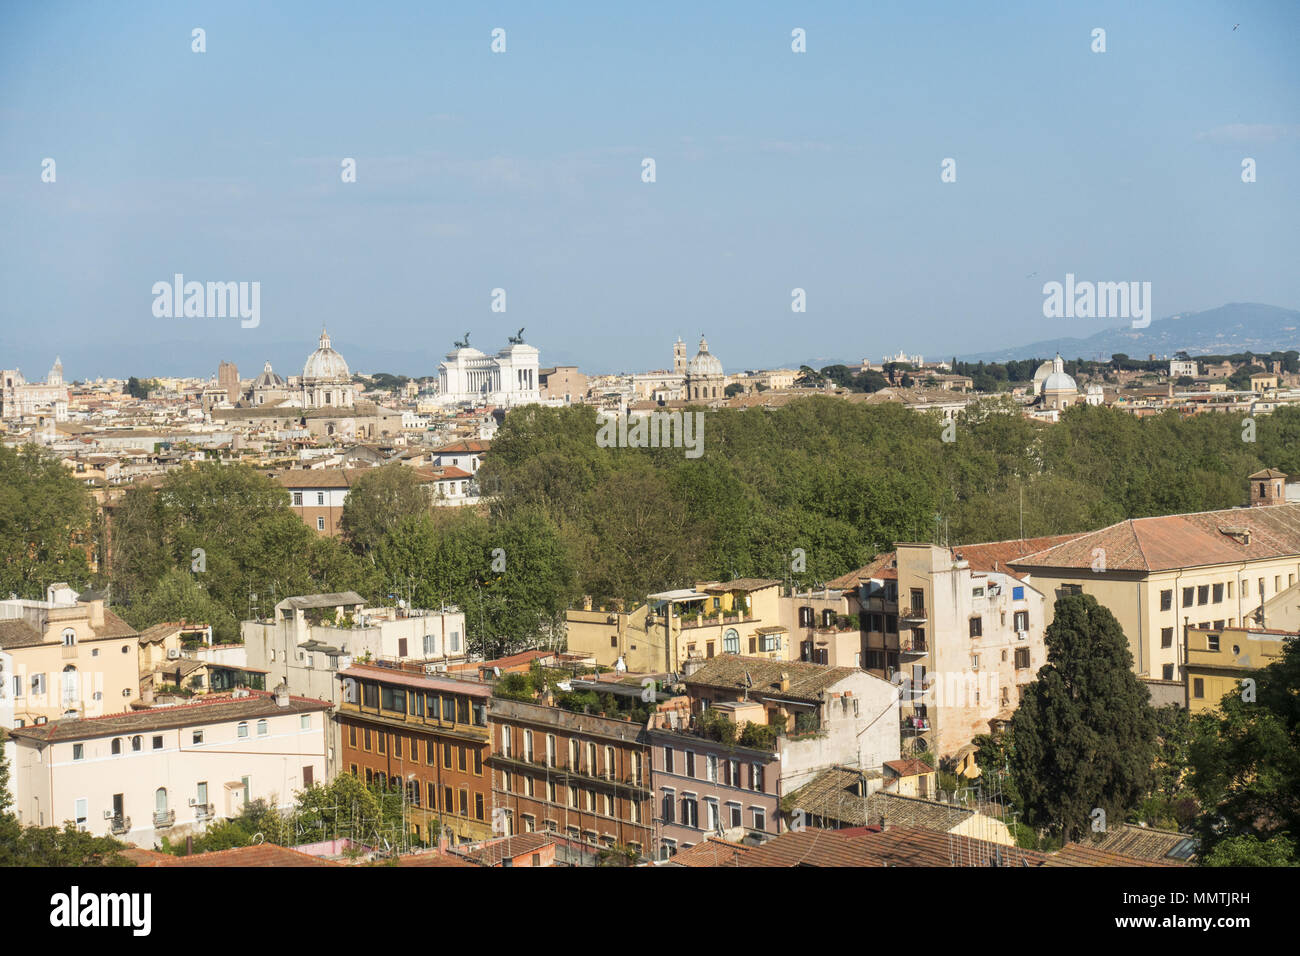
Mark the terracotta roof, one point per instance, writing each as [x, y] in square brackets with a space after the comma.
[330, 600]
[881, 566]
[910, 767]
[1180, 541]
[431, 858]
[1269, 473]
[113, 626]
[896, 846]
[391, 675]
[152, 635]
[833, 795]
[807, 681]
[142, 857]
[997, 555]
[16, 632]
[319, 477]
[264, 854]
[712, 852]
[470, 446]
[209, 710]
[493, 852]
[1076, 854]
[1144, 843]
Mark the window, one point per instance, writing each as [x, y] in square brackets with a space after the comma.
[1245, 587]
[116, 747]
[507, 734]
[297, 498]
[381, 742]
[770, 642]
[393, 699]
[550, 750]
[446, 756]
[478, 806]
[688, 763]
[1166, 637]
[711, 816]
[1189, 596]
[320, 524]
[1218, 594]
[731, 641]
[735, 815]
[397, 745]
[690, 812]
[760, 818]
[320, 497]
[1167, 599]
[591, 758]
[460, 759]
[1213, 641]
[1022, 658]
[479, 710]
[609, 804]
[242, 731]
[69, 637]
[261, 728]
[1168, 672]
[433, 796]
[711, 768]
[370, 694]
[668, 760]
[755, 776]
[805, 617]
[82, 812]
[431, 708]
[478, 762]
[575, 758]
[528, 745]
[669, 806]
[78, 751]
[1198, 687]
[1203, 594]
[552, 792]
[976, 627]
[38, 683]
[448, 802]
[462, 710]
[611, 764]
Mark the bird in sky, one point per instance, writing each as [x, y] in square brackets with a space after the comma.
[1234, 27]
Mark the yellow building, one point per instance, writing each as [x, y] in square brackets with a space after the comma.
[69, 658]
[1212, 570]
[670, 628]
[1218, 660]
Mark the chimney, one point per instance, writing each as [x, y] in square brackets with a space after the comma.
[281, 694]
[785, 680]
[97, 612]
[586, 602]
[146, 693]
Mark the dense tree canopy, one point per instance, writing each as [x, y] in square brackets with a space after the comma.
[46, 524]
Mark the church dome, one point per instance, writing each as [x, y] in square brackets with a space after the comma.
[268, 379]
[325, 365]
[1059, 381]
[704, 364]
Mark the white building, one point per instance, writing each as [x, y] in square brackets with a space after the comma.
[169, 771]
[1178, 369]
[308, 655]
[508, 378]
[20, 398]
[326, 381]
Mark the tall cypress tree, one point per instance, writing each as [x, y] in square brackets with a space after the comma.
[1084, 731]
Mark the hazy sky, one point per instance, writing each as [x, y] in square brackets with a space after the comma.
[522, 170]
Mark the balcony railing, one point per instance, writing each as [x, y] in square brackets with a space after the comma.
[913, 615]
[120, 825]
[203, 811]
[69, 651]
[164, 818]
[912, 645]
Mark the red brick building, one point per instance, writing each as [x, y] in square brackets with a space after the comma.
[432, 733]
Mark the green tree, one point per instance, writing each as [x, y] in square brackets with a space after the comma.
[378, 501]
[45, 523]
[1084, 730]
[1249, 850]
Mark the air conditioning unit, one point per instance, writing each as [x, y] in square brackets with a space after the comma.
[431, 668]
[194, 801]
[173, 654]
[108, 814]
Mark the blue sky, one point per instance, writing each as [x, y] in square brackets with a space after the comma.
[521, 170]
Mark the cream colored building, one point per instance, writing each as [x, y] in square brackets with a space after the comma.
[1157, 575]
[70, 657]
[169, 771]
[675, 630]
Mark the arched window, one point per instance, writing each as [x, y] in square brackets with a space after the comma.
[70, 682]
[261, 728]
[160, 799]
[69, 637]
[136, 744]
[117, 745]
[731, 641]
[242, 730]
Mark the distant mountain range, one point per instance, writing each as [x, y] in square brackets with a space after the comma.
[1235, 327]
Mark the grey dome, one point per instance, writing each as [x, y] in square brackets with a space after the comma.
[325, 365]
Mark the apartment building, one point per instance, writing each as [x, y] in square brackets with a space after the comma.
[169, 771]
[1210, 570]
[1218, 660]
[825, 626]
[823, 716]
[582, 776]
[310, 638]
[675, 630]
[68, 658]
[429, 734]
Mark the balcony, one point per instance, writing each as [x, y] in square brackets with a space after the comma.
[164, 818]
[119, 825]
[70, 651]
[915, 723]
[203, 812]
[913, 615]
[913, 646]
